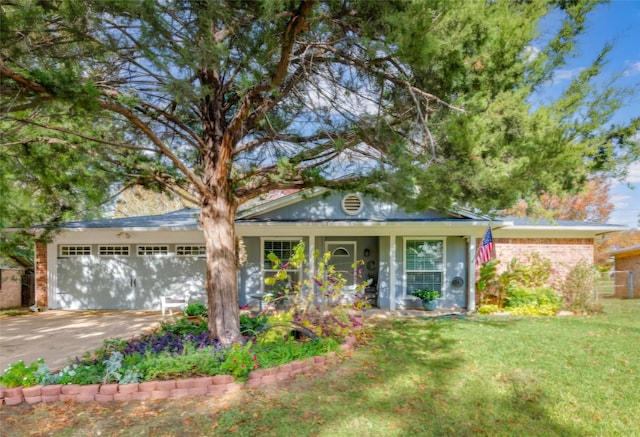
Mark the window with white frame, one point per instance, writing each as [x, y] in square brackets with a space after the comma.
[155, 249]
[193, 250]
[112, 250]
[424, 264]
[69, 250]
[284, 250]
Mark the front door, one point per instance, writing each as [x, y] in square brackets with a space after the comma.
[343, 257]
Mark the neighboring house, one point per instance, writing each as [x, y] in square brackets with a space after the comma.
[627, 271]
[129, 263]
[11, 273]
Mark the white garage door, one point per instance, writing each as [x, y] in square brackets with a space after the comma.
[127, 276]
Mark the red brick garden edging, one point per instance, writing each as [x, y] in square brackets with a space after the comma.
[171, 389]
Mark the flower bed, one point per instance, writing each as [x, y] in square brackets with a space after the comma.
[167, 389]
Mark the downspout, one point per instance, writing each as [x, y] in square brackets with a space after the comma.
[311, 262]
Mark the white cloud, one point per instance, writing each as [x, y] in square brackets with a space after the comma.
[620, 201]
[634, 174]
[632, 69]
[566, 74]
[531, 52]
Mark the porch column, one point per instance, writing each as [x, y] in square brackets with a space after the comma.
[471, 273]
[392, 272]
[311, 263]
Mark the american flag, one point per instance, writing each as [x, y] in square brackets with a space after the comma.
[485, 252]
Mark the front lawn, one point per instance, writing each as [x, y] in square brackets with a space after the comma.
[477, 375]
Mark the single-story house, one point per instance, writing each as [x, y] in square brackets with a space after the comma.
[129, 263]
[627, 271]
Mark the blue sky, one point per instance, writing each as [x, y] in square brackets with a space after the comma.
[617, 23]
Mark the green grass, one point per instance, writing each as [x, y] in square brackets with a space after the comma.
[493, 375]
[20, 311]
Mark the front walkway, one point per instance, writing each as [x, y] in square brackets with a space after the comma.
[59, 336]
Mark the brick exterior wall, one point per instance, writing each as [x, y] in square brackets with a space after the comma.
[42, 278]
[10, 288]
[627, 263]
[564, 253]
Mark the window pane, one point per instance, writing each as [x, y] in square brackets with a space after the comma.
[153, 250]
[113, 250]
[282, 249]
[431, 280]
[423, 255]
[191, 251]
[75, 250]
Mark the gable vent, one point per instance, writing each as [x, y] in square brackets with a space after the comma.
[352, 204]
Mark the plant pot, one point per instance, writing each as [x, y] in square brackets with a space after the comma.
[429, 305]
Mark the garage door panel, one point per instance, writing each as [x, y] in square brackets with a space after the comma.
[91, 282]
[169, 276]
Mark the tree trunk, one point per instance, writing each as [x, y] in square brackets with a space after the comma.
[217, 221]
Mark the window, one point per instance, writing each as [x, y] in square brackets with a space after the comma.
[424, 264]
[340, 251]
[153, 250]
[69, 250]
[283, 249]
[113, 250]
[191, 251]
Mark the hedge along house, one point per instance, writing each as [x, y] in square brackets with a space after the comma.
[129, 263]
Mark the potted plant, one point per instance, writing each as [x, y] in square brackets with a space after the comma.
[195, 311]
[428, 297]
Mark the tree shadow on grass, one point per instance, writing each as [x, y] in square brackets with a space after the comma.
[411, 381]
[411, 378]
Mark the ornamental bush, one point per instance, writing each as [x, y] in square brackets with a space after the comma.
[579, 289]
[321, 306]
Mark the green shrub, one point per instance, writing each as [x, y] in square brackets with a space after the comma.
[321, 306]
[523, 283]
[116, 370]
[275, 354]
[253, 325]
[239, 360]
[519, 296]
[426, 294]
[201, 362]
[184, 326]
[196, 309]
[19, 374]
[534, 309]
[488, 309]
[83, 374]
[579, 289]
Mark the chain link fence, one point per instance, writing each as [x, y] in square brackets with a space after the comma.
[616, 283]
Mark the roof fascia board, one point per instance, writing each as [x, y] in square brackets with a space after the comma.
[626, 250]
[552, 231]
[473, 229]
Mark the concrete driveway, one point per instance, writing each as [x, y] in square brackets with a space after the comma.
[60, 336]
